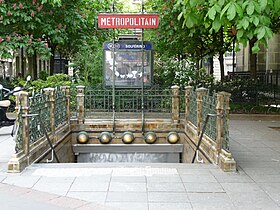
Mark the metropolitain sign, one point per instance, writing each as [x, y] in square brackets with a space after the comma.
[128, 21]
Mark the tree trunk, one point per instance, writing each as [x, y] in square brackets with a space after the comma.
[222, 68]
[252, 59]
[52, 60]
[35, 70]
[211, 65]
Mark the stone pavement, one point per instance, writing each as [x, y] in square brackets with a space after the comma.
[255, 144]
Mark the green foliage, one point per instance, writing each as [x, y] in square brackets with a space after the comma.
[43, 75]
[181, 72]
[56, 80]
[250, 95]
[87, 63]
[246, 18]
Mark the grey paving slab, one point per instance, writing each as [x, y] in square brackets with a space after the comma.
[168, 197]
[96, 197]
[273, 190]
[127, 197]
[241, 187]
[232, 178]
[2, 177]
[127, 187]
[165, 187]
[164, 178]
[128, 179]
[21, 181]
[87, 185]
[9, 202]
[198, 178]
[55, 185]
[258, 200]
[210, 201]
[194, 171]
[127, 205]
[67, 202]
[168, 206]
[203, 187]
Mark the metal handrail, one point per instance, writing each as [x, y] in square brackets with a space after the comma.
[45, 132]
[202, 133]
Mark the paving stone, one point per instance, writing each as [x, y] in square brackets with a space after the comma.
[67, 202]
[166, 187]
[203, 187]
[127, 197]
[96, 197]
[210, 201]
[22, 181]
[168, 197]
[168, 206]
[202, 178]
[127, 205]
[241, 187]
[127, 187]
[273, 190]
[59, 186]
[258, 200]
[80, 185]
[194, 171]
[164, 178]
[128, 179]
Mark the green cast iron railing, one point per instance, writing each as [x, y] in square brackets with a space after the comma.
[209, 107]
[60, 108]
[192, 115]
[128, 100]
[39, 104]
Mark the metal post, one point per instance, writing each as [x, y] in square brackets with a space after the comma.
[114, 79]
[142, 82]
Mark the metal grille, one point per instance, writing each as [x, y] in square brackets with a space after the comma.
[128, 100]
[193, 108]
[182, 101]
[225, 144]
[209, 107]
[73, 101]
[39, 105]
[59, 108]
[18, 133]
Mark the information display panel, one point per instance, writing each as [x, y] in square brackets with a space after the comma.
[129, 62]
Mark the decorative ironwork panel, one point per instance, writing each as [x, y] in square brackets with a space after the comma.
[18, 133]
[73, 101]
[193, 108]
[209, 107]
[38, 104]
[182, 101]
[128, 100]
[225, 144]
[158, 100]
[59, 108]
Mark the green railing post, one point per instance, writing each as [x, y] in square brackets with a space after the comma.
[219, 121]
[23, 105]
[200, 92]
[50, 92]
[188, 90]
[66, 90]
[175, 104]
[81, 104]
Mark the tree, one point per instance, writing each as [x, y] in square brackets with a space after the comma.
[252, 21]
[195, 43]
[44, 26]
